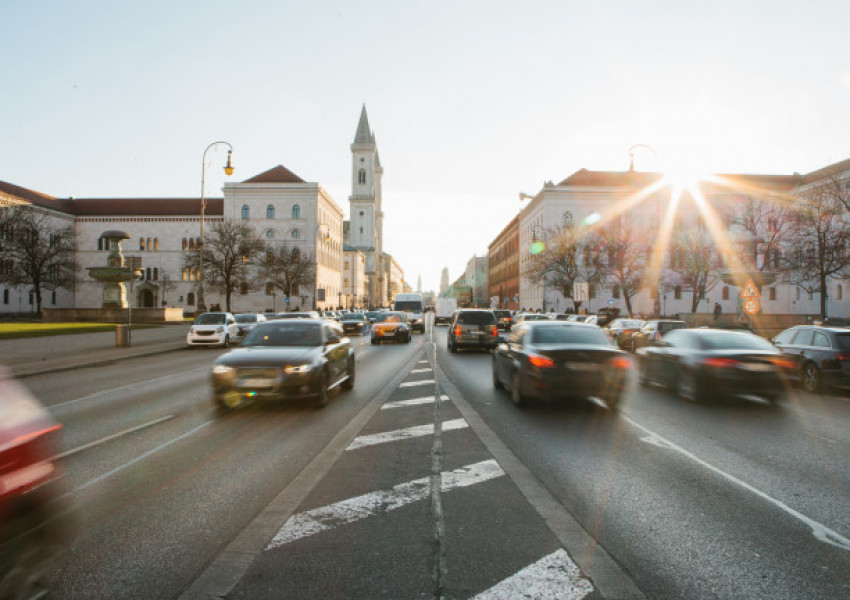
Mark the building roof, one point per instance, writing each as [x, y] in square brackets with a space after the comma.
[145, 207]
[586, 178]
[37, 198]
[364, 133]
[826, 172]
[278, 174]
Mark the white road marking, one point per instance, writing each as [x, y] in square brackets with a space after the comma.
[423, 362]
[553, 577]
[412, 402]
[109, 438]
[820, 531]
[320, 519]
[428, 370]
[122, 388]
[415, 383]
[141, 457]
[404, 434]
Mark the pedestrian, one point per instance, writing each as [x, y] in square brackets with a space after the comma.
[717, 310]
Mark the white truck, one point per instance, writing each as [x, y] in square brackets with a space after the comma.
[412, 305]
[444, 310]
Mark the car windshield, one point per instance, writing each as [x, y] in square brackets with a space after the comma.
[288, 333]
[353, 317]
[729, 340]
[390, 318]
[246, 318]
[568, 334]
[211, 319]
[475, 317]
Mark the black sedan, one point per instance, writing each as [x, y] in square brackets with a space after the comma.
[287, 358]
[710, 364]
[823, 354]
[355, 323]
[558, 359]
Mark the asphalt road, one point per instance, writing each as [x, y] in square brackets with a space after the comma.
[739, 500]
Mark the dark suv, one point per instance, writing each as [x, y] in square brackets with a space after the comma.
[473, 328]
[504, 319]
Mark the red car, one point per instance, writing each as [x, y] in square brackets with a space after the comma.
[28, 480]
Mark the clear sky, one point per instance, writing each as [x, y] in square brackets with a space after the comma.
[471, 102]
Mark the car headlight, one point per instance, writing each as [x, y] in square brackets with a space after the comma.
[293, 369]
[219, 329]
[222, 370]
[191, 330]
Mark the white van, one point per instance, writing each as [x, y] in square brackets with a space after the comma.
[412, 305]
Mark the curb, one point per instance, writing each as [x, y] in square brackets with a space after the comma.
[96, 362]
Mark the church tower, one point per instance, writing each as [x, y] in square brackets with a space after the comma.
[366, 216]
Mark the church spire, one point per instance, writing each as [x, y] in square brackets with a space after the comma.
[364, 133]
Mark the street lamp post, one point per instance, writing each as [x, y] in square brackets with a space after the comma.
[537, 246]
[325, 237]
[228, 169]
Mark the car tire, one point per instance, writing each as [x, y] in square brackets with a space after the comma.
[452, 348]
[517, 396]
[688, 387]
[348, 384]
[323, 395]
[811, 378]
[497, 383]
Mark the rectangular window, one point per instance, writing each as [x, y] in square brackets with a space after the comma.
[615, 291]
[771, 294]
[677, 292]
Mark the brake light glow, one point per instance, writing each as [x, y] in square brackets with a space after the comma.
[721, 363]
[457, 330]
[620, 362]
[843, 356]
[790, 364]
[494, 330]
[541, 361]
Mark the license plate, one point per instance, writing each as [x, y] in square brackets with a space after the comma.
[757, 367]
[255, 382]
[582, 366]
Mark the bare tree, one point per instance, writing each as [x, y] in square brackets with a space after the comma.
[565, 259]
[287, 269]
[626, 248]
[769, 221]
[166, 284]
[817, 245]
[692, 262]
[36, 250]
[231, 254]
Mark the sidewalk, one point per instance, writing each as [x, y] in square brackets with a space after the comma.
[27, 357]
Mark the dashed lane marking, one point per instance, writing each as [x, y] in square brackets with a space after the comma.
[412, 402]
[428, 370]
[404, 434]
[553, 577]
[416, 383]
[320, 519]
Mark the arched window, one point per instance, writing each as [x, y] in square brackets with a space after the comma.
[141, 244]
[148, 274]
[361, 177]
[198, 243]
[725, 293]
[185, 244]
[5, 296]
[270, 211]
[149, 245]
[269, 288]
[677, 292]
[296, 212]
[53, 297]
[296, 234]
[32, 297]
[156, 243]
[156, 273]
[243, 288]
[100, 243]
[840, 293]
[269, 255]
[296, 255]
[192, 244]
[190, 299]
[270, 234]
[246, 211]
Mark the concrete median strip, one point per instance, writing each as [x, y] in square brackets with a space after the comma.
[324, 518]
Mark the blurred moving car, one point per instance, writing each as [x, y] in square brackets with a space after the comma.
[29, 483]
[822, 353]
[473, 328]
[244, 323]
[556, 360]
[391, 326]
[212, 329]
[371, 315]
[621, 331]
[504, 319]
[652, 331]
[577, 318]
[531, 317]
[707, 364]
[310, 314]
[354, 323]
[285, 359]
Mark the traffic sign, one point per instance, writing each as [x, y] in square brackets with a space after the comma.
[750, 290]
[751, 306]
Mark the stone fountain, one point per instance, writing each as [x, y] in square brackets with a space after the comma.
[115, 273]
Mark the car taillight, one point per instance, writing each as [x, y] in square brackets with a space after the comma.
[721, 363]
[541, 361]
[494, 330]
[843, 356]
[457, 330]
[790, 364]
[620, 362]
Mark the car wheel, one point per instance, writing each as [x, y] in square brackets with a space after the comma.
[323, 396]
[811, 378]
[349, 382]
[452, 348]
[30, 555]
[497, 383]
[516, 394]
[688, 387]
